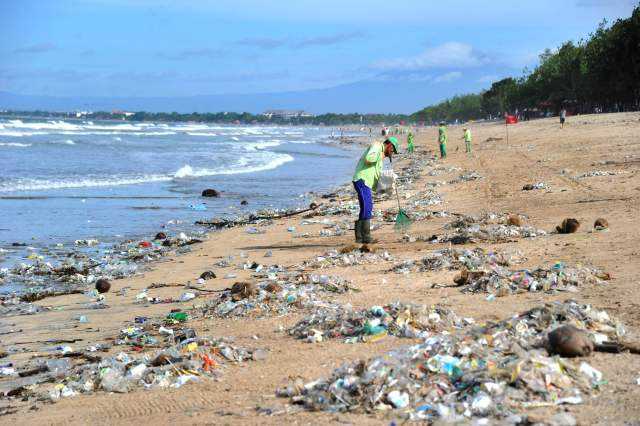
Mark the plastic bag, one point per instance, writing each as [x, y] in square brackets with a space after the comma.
[387, 182]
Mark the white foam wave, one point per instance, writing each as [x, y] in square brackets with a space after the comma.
[69, 142]
[18, 134]
[185, 172]
[16, 144]
[202, 134]
[276, 161]
[261, 145]
[235, 138]
[40, 185]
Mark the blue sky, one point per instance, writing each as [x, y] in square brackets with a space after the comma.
[177, 48]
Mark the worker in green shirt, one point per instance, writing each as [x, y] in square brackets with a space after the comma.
[366, 179]
[467, 139]
[442, 139]
[410, 146]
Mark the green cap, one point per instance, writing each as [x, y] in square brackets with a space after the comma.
[393, 141]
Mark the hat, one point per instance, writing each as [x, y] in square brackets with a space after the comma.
[393, 141]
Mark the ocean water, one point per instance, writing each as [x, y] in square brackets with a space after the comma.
[67, 180]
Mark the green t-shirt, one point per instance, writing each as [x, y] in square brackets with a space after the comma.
[370, 165]
[442, 134]
[467, 135]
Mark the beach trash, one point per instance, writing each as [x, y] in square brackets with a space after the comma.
[569, 341]
[103, 286]
[601, 224]
[210, 193]
[568, 226]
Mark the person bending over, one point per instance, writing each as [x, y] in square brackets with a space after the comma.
[366, 179]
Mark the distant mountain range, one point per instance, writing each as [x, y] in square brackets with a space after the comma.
[362, 97]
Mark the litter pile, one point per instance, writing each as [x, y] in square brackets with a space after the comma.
[595, 173]
[467, 177]
[454, 259]
[396, 319]
[490, 371]
[333, 258]
[89, 261]
[277, 295]
[489, 227]
[184, 357]
[501, 281]
[533, 186]
[440, 170]
[12, 305]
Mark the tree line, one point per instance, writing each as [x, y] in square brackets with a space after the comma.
[598, 74]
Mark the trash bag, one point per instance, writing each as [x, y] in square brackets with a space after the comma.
[387, 182]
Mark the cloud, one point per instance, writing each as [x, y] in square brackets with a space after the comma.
[36, 48]
[266, 43]
[409, 76]
[447, 55]
[329, 40]
[269, 43]
[448, 77]
[205, 52]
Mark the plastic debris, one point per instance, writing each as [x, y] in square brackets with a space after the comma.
[455, 259]
[493, 371]
[397, 319]
[502, 281]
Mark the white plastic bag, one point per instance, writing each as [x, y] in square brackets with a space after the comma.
[387, 181]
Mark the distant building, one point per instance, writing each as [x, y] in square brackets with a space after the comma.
[286, 114]
[80, 114]
[120, 112]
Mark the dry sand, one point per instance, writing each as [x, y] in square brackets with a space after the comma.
[537, 151]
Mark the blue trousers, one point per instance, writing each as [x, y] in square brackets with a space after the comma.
[364, 199]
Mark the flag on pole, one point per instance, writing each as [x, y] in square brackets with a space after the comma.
[510, 119]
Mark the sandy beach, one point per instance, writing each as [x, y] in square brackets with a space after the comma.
[245, 392]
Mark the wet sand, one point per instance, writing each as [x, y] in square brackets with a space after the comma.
[538, 151]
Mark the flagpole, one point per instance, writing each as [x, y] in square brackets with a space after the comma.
[506, 126]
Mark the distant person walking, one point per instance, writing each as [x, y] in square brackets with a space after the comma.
[467, 139]
[365, 179]
[563, 117]
[410, 146]
[442, 140]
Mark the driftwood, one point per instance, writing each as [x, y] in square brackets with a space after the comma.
[83, 355]
[601, 200]
[618, 347]
[224, 223]
[32, 372]
[34, 297]
[163, 285]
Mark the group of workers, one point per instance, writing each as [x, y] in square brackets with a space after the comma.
[369, 169]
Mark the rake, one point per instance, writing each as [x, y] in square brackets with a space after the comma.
[403, 221]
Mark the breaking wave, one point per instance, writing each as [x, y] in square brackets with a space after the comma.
[184, 172]
[16, 144]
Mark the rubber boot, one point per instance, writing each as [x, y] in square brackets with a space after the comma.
[358, 228]
[366, 232]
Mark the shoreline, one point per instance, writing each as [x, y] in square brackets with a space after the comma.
[175, 233]
[243, 386]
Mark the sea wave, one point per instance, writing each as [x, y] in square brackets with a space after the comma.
[187, 171]
[244, 165]
[202, 134]
[15, 144]
[253, 146]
